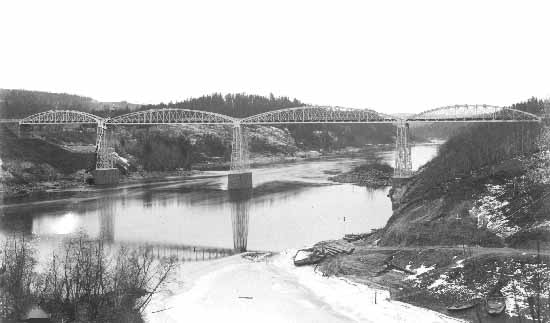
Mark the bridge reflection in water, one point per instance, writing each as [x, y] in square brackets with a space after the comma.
[240, 204]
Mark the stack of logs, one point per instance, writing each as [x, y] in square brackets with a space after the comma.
[333, 247]
[355, 237]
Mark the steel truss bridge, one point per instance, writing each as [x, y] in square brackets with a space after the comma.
[299, 115]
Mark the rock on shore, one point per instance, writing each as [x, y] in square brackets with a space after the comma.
[371, 175]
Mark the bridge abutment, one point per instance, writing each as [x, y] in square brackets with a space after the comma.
[239, 181]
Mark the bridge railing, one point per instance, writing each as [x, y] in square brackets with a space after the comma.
[61, 117]
[319, 114]
[474, 113]
[171, 116]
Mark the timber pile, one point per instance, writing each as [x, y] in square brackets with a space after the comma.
[354, 237]
[333, 247]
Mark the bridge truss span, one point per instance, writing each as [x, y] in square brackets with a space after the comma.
[61, 117]
[474, 113]
[319, 114]
[171, 116]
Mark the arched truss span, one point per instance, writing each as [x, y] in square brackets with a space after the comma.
[474, 113]
[172, 116]
[319, 114]
[61, 117]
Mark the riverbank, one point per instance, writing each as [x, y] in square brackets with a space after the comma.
[439, 276]
[272, 289]
[77, 181]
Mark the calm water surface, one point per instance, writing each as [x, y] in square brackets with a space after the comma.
[292, 205]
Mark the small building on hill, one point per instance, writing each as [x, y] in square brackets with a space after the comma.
[35, 314]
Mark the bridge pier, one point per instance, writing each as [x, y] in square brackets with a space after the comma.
[240, 176]
[105, 172]
[239, 181]
[403, 164]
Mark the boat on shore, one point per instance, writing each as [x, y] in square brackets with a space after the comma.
[307, 256]
[464, 305]
[495, 305]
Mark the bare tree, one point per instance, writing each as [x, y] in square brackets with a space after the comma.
[17, 275]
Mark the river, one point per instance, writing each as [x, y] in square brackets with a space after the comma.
[292, 205]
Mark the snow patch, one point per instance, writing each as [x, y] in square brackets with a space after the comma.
[490, 212]
[442, 280]
[302, 254]
[359, 302]
[419, 271]
[459, 264]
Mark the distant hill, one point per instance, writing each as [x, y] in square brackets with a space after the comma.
[117, 106]
[236, 105]
[22, 103]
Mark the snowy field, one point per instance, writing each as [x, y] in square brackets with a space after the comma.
[234, 289]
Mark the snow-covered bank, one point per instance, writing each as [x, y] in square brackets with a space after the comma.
[234, 289]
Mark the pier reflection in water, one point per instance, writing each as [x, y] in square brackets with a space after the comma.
[107, 209]
[109, 206]
[240, 205]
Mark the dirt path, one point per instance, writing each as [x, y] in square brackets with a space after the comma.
[475, 251]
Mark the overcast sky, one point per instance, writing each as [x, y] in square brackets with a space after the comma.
[391, 56]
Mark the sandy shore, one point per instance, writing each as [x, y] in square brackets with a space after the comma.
[235, 289]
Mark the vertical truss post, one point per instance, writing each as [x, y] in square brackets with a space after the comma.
[104, 151]
[239, 150]
[403, 165]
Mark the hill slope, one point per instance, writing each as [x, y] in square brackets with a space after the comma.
[484, 188]
[30, 160]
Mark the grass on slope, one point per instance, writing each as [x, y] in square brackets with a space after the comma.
[40, 152]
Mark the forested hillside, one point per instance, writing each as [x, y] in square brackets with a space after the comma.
[22, 103]
[436, 130]
[235, 105]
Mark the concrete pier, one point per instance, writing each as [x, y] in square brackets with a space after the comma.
[239, 181]
[106, 176]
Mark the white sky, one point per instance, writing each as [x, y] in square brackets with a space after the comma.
[391, 56]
